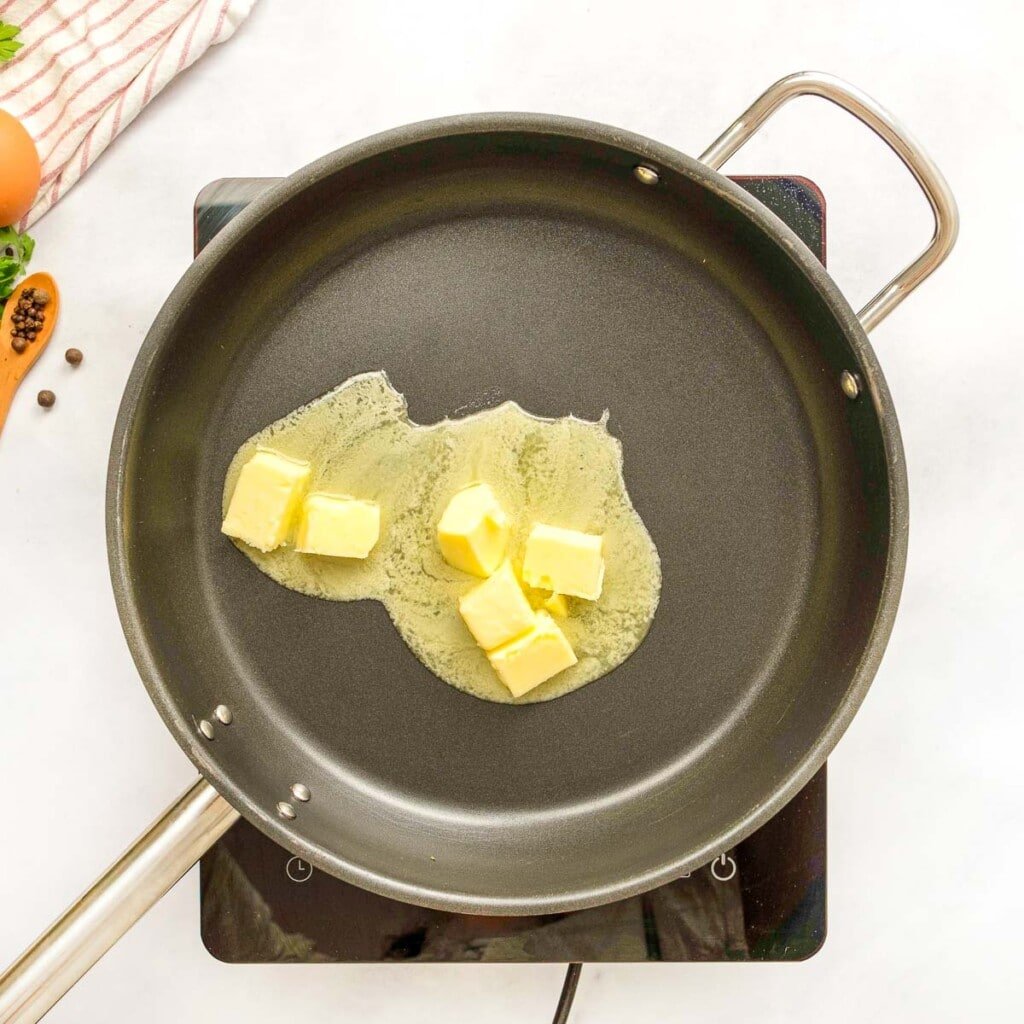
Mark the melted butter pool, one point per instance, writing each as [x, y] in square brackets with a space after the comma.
[567, 472]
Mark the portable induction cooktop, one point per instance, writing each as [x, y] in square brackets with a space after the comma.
[763, 900]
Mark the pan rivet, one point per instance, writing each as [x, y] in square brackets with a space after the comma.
[285, 811]
[206, 728]
[300, 792]
[850, 383]
[223, 713]
[645, 175]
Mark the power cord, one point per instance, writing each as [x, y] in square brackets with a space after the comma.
[572, 979]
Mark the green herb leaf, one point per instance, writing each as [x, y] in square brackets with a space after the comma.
[9, 46]
[8, 274]
[15, 252]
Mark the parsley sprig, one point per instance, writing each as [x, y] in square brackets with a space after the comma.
[9, 45]
[15, 252]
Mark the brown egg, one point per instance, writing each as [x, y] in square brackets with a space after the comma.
[19, 170]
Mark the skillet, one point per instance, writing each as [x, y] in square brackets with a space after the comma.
[574, 268]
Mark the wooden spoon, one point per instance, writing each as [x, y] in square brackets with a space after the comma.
[14, 365]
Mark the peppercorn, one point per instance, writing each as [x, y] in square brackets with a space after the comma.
[73, 356]
[46, 399]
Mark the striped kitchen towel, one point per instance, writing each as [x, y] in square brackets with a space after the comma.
[87, 67]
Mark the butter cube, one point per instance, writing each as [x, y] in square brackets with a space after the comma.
[266, 497]
[496, 610]
[558, 605]
[565, 561]
[473, 531]
[338, 526]
[534, 658]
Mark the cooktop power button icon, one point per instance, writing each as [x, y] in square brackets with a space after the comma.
[723, 868]
[299, 870]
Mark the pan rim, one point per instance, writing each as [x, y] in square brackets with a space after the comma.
[791, 247]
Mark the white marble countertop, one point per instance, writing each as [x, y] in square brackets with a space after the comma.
[925, 802]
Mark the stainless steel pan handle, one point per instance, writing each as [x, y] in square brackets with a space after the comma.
[899, 140]
[157, 859]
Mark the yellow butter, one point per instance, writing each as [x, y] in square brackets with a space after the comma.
[565, 561]
[558, 605]
[533, 658]
[265, 499]
[338, 526]
[473, 531]
[496, 610]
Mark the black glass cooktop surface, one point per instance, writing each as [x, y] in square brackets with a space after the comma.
[763, 900]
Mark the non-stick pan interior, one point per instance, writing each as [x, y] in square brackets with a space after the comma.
[525, 263]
